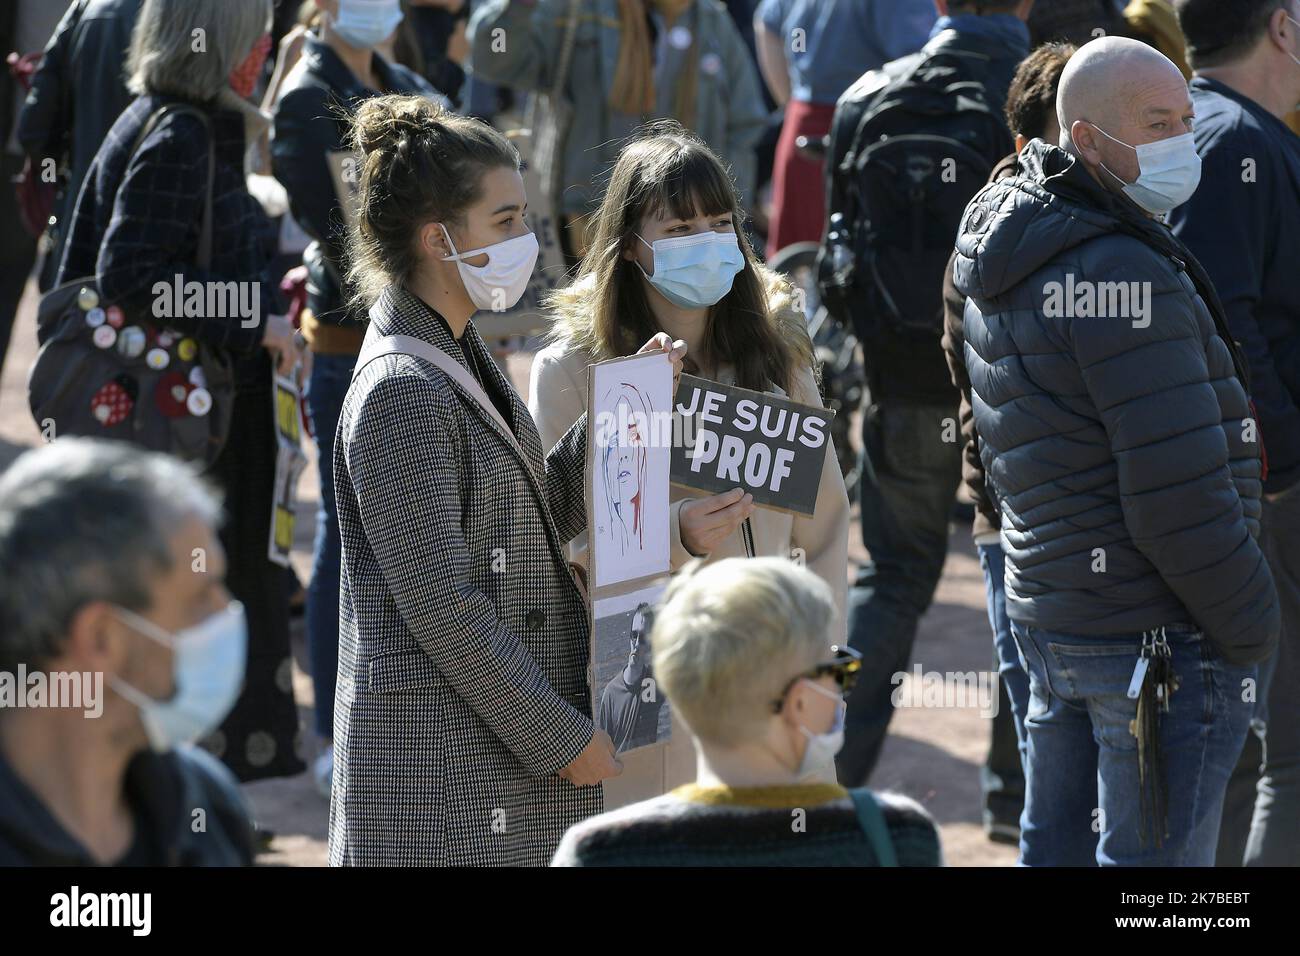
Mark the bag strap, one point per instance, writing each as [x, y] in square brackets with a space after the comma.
[566, 50]
[66, 90]
[872, 821]
[156, 117]
[410, 345]
[379, 346]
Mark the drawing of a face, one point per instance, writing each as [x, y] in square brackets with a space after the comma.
[624, 466]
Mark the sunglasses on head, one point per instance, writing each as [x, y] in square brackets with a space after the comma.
[845, 665]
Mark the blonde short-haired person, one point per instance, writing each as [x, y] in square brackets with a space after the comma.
[741, 650]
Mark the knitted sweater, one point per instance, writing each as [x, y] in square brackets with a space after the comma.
[806, 825]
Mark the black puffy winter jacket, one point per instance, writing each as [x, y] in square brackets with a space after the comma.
[1112, 410]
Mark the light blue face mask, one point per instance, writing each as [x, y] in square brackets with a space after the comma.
[366, 23]
[208, 669]
[695, 272]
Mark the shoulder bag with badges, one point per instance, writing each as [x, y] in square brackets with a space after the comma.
[104, 371]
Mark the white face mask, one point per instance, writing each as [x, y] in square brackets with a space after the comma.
[819, 755]
[366, 23]
[1170, 172]
[497, 286]
[1295, 23]
[1294, 58]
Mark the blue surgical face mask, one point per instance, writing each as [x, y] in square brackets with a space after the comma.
[208, 669]
[819, 755]
[695, 272]
[366, 23]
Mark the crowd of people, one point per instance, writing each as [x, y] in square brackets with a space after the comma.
[1057, 231]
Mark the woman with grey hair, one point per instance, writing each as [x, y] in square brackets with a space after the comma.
[193, 64]
[742, 652]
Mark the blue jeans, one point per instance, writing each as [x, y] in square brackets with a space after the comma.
[1083, 799]
[909, 481]
[1275, 830]
[330, 377]
[1003, 774]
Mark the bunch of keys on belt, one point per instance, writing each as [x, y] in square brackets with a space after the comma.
[1153, 682]
[1155, 661]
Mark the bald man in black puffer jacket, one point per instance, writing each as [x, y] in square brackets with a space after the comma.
[1121, 448]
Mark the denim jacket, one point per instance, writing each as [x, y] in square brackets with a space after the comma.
[730, 113]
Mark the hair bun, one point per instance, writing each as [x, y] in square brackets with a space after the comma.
[381, 123]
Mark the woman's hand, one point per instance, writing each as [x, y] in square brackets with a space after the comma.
[597, 762]
[662, 342]
[707, 522]
[304, 357]
[278, 339]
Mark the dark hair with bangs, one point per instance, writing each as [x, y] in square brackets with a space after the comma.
[680, 181]
[666, 171]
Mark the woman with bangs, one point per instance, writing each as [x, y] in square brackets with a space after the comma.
[667, 253]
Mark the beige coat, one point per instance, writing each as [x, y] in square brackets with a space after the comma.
[557, 398]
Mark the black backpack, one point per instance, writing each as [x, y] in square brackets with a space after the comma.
[910, 146]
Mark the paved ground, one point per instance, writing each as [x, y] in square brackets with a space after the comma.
[933, 754]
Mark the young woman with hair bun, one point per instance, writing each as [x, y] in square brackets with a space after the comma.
[463, 731]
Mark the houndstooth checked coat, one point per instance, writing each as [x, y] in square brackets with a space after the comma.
[463, 641]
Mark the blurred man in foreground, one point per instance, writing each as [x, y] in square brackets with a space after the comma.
[119, 645]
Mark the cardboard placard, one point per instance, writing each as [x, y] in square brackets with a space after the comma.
[734, 437]
[629, 425]
[527, 317]
[289, 463]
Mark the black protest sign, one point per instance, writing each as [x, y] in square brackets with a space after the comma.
[736, 438]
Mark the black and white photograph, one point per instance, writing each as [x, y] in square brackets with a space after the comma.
[629, 705]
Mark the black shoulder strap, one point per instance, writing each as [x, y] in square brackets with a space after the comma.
[156, 117]
[1171, 246]
[66, 102]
